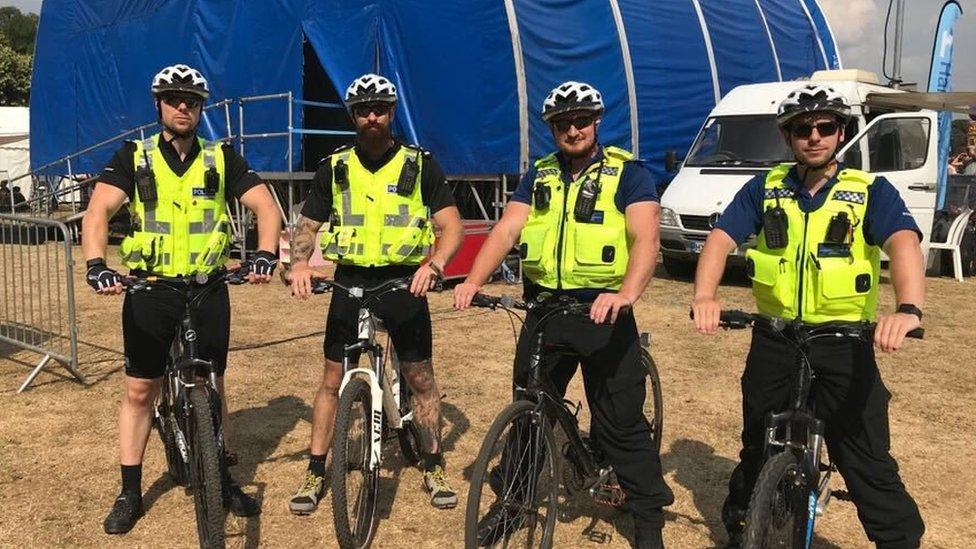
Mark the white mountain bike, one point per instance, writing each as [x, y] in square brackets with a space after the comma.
[374, 404]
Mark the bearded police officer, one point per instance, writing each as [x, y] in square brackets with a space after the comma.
[821, 228]
[379, 195]
[605, 255]
[178, 186]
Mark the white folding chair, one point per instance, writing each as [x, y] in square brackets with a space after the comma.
[953, 241]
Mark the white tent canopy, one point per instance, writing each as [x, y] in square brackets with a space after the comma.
[15, 145]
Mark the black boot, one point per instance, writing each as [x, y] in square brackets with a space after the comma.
[126, 511]
[648, 537]
[734, 519]
[239, 503]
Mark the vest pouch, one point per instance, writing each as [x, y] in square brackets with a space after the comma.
[411, 247]
[843, 287]
[212, 254]
[532, 242]
[140, 250]
[592, 249]
[338, 241]
[773, 283]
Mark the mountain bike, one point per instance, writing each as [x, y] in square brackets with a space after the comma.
[187, 414]
[520, 468]
[792, 489]
[374, 404]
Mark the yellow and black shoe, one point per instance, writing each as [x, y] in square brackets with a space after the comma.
[442, 496]
[307, 498]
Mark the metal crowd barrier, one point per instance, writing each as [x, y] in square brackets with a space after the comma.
[37, 302]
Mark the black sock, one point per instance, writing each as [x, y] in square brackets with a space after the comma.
[429, 461]
[132, 479]
[316, 464]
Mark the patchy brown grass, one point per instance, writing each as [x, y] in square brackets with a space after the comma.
[59, 471]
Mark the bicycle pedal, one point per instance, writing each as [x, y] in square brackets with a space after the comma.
[608, 494]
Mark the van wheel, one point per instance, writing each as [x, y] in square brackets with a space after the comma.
[679, 268]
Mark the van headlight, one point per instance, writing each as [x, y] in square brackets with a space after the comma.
[668, 218]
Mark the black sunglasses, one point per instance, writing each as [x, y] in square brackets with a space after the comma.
[580, 123]
[379, 109]
[176, 100]
[825, 129]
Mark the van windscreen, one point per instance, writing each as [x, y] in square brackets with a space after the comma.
[747, 141]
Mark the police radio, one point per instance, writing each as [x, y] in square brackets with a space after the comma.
[586, 198]
[776, 226]
[838, 229]
[146, 181]
[408, 177]
[341, 174]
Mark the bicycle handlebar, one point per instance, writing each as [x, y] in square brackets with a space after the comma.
[134, 284]
[737, 320]
[554, 304]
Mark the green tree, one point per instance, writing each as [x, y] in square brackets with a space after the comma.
[20, 29]
[957, 141]
[15, 74]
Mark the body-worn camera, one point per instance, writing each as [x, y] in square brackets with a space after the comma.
[541, 195]
[341, 174]
[839, 229]
[211, 181]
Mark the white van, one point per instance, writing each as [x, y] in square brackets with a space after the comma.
[740, 139]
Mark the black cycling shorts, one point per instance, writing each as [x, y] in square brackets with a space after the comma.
[407, 318]
[149, 322]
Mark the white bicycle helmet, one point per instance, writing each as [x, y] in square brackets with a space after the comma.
[813, 98]
[180, 78]
[572, 96]
[369, 88]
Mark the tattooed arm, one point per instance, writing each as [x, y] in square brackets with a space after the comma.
[302, 245]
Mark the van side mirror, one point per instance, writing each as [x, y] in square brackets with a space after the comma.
[670, 161]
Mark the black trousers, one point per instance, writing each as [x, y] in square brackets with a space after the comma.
[853, 402]
[615, 391]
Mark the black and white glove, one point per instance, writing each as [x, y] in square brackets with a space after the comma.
[264, 263]
[100, 276]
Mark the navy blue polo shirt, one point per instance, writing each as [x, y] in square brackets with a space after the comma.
[636, 183]
[886, 212]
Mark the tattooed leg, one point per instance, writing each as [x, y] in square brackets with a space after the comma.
[426, 403]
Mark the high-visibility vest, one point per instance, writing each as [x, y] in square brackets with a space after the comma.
[186, 230]
[811, 279]
[560, 252]
[372, 223]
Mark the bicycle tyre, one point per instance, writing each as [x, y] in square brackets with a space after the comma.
[774, 506]
[480, 473]
[207, 486]
[353, 532]
[656, 417]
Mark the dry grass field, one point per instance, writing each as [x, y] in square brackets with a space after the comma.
[58, 458]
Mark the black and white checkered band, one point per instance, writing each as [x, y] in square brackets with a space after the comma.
[545, 172]
[609, 170]
[778, 192]
[850, 196]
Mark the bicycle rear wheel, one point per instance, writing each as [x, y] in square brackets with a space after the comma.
[514, 482]
[353, 483]
[777, 516]
[654, 401]
[205, 457]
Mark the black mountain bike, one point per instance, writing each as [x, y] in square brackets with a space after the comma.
[520, 468]
[792, 489]
[374, 405]
[188, 410]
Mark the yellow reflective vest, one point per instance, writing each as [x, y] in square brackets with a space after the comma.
[186, 230]
[373, 224]
[812, 279]
[560, 252]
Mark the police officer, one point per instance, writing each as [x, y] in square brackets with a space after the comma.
[605, 255]
[821, 227]
[379, 195]
[177, 185]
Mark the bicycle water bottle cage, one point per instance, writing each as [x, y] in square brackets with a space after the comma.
[211, 181]
[146, 184]
[341, 174]
[408, 177]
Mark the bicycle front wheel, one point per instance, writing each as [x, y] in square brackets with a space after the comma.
[353, 482]
[514, 482]
[166, 427]
[205, 453]
[777, 516]
[654, 402]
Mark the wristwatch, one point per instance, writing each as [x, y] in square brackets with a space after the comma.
[95, 261]
[910, 309]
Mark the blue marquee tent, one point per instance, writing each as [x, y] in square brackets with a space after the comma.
[472, 74]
